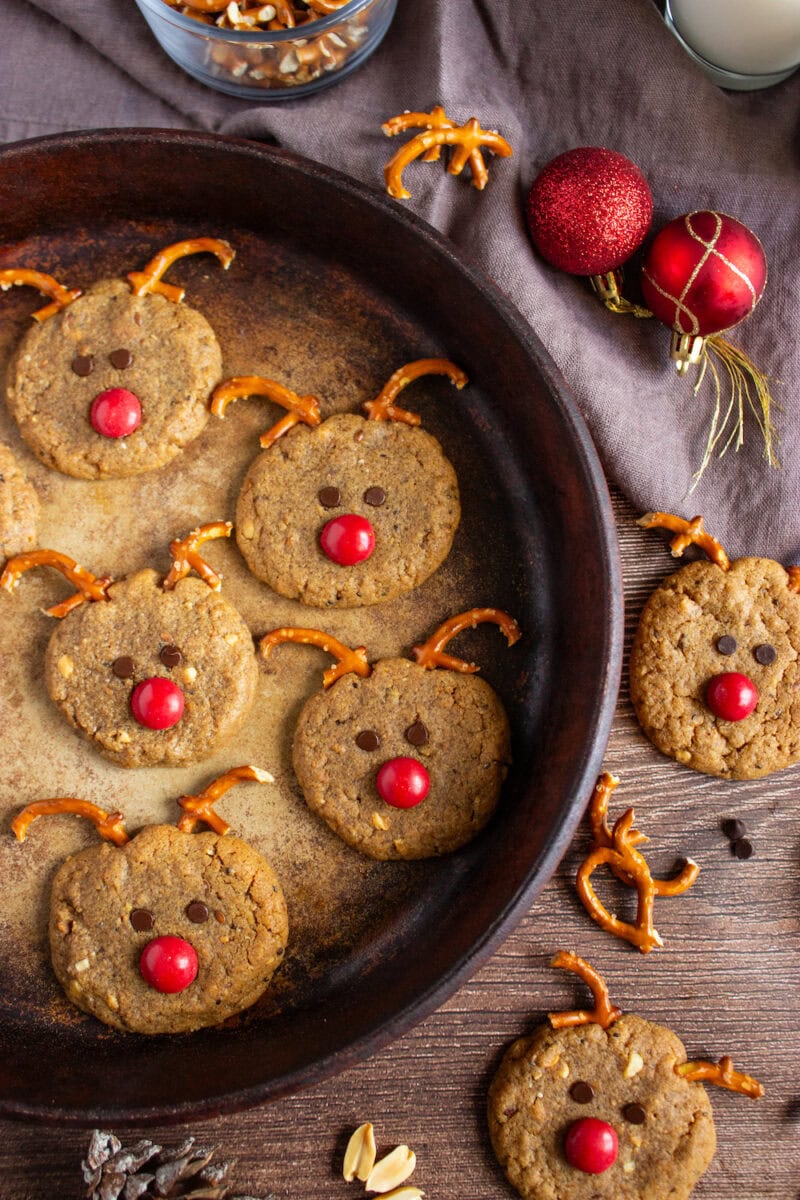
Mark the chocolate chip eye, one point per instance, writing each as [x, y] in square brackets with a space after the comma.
[83, 365]
[634, 1114]
[417, 734]
[170, 656]
[197, 912]
[726, 644]
[142, 920]
[375, 496]
[582, 1092]
[765, 654]
[329, 497]
[120, 359]
[123, 667]
[368, 739]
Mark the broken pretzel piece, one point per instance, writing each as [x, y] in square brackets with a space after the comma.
[439, 130]
[723, 1074]
[186, 555]
[60, 296]
[347, 659]
[604, 1012]
[431, 653]
[201, 807]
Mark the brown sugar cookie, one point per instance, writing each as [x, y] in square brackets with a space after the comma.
[168, 931]
[402, 761]
[715, 664]
[350, 511]
[599, 1104]
[151, 672]
[19, 507]
[114, 381]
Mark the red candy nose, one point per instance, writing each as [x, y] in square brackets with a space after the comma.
[731, 696]
[591, 1145]
[157, 703]
[348, 539]
[403, 782]
[115, 413]
[168, 964]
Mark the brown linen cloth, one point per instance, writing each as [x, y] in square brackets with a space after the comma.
[549, 77]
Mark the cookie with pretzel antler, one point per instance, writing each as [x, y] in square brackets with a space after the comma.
[168, 931]
[114, 381]
[352, 510]
[600, 1104]
[401, 760]
[715, 663]
[150, 671]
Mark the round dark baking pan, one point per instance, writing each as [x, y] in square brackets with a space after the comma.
[538, 523]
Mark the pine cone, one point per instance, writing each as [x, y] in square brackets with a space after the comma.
[115, 1172]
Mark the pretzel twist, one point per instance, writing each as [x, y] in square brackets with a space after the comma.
[604, 1012]
[383, 408]
[468, 138]
[623, 855]
[201, 807]
[149, 278]
[687, 533]
[90, 587]
[430, 654]
[60, 296]
[437, 118]
[722, 1074]
[348, 660]
[110, 826]
[186, 556]
[301, 408]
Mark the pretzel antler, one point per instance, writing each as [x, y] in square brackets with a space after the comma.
[90, 587]
[440, 131]
[201, 807]
[382, 408]
[301, 408]
[687, 533]
[623, 856]
[186, 555]
[604, 1012]
[430, 654]
[149, 279]
[60, 296]
[721, 1073]
[348, 660]
[437, 118]
[110, 826]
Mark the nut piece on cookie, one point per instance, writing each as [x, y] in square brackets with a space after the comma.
[114, 381]
[401, 760]
[168, 931]
[152, 672]
[715, 664]
[352, 510]
[603, 1104]
[19, 507]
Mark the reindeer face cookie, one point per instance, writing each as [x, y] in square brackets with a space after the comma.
[715, 664]
[114, 381]
[350, 511]
[603, 1105]
[151, 672]
[401, 761]
[168, 931]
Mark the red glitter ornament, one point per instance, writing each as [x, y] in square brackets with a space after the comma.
[589, 209]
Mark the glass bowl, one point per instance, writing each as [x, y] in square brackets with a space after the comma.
[269, 64]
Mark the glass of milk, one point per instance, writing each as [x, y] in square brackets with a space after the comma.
[740, 44]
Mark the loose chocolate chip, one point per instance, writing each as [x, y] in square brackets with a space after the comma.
[765, 654]
[733, 828]
[83, 364]
[726, 644]
[742, 847]
[635, 1114]
[170, 656]
[581, 1092]
[197, 911]
[417, 734]
[142, 920]
[375, 496]
[368, 739]
[329, 497]
[123, 667]
[120, 359]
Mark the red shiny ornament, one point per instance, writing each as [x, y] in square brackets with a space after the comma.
[168, 964]
[157, 703]
[589, 209]
[115, 413]
[704, 272]
[348, 539]
[403, 782]
[591, 1145]
[731, 696]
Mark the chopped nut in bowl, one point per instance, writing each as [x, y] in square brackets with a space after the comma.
[272, 51]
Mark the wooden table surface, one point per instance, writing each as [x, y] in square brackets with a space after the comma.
[727, 981]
